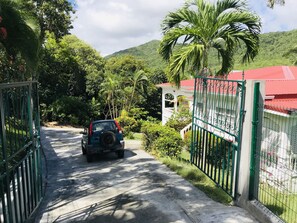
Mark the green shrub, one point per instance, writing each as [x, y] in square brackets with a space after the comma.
[127, 123]
[162, 140]
[150, 134]
[187, 140]
[69, 110]
[180, 119]
[130, 135]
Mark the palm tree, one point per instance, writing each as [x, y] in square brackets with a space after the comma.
[110, 89]
[138, 81]
[19, 33]
[271, 3]
[200, 26]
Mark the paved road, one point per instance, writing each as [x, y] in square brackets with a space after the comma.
[110, 190]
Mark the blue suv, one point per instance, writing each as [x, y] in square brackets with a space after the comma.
[102, 136]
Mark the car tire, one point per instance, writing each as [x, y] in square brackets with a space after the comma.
[121, 153]
[83, 149]
[108, 139]
[89, 158]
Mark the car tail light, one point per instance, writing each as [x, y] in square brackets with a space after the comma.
[118, 126]
[91, 129]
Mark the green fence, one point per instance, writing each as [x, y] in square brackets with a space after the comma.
[20, 156]
[276, 161]
[216, 129]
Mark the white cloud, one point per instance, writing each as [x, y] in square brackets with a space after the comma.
[114, 25]
[280, 18]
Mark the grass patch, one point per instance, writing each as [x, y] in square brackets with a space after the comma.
[198, 179]
[185, 155]
[137, 135]
[282, 204]
[133, 136]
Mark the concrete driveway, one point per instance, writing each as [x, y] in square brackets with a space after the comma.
[134, 189]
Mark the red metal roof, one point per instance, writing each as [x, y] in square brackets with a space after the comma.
[183, 83]
[281, 87]
[281, 82]
[266, 73]
[281, 105]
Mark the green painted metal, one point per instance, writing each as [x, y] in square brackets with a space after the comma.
[20, 160]
[255, 121]
[218, 112]
[275, 161]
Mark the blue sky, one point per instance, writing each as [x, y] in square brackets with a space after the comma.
[113, 25]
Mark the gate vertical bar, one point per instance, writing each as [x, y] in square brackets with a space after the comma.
[7, 209]
[37, 140]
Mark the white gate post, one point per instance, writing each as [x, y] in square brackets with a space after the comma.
[245, 151]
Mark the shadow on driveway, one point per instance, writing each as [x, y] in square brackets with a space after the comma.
[136, 188]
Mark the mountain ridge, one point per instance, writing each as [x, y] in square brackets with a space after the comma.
[273, 46]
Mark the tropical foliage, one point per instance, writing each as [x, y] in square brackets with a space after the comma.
[72, 70]
[161, 140]
[292, 55]
[73, 75]
[201, 26]
[19, 40]
[53, 16]
[23, 24]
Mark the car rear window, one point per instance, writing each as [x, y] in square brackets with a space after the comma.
[104, 126]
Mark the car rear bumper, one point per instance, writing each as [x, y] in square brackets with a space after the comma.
[91, 149]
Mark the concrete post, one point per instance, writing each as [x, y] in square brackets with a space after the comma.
[245, 156]
[253, 206]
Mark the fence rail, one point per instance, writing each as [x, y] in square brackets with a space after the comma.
[20, 157]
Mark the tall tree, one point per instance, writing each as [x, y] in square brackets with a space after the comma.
[201, 26]
[124, 84]
[19, 35]
[69, 67]
[138, 81]
[111, 90]
[54, 16]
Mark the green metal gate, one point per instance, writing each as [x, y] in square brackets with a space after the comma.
[218, 111]
[20, 153]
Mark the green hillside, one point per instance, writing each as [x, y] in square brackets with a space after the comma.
[147, 52]
[273, 46]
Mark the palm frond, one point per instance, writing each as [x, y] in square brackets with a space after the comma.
[22, 33]
[187, 55]
[240, 20]
[223, 6]
[223, 25]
